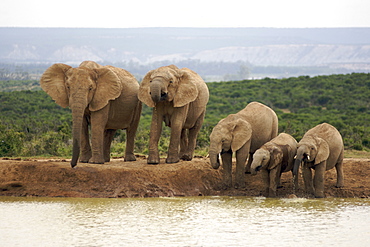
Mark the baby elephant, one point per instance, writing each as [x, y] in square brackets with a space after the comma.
[320, 149]
[274, 158]
[241, 133]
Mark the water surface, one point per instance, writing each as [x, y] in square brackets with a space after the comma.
[190, 221]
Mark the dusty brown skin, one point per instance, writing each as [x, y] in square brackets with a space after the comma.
[137, 179]
[104, 97]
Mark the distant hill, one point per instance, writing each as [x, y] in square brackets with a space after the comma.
[342, 49]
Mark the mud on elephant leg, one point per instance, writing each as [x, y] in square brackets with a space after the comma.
[192, 139]
[108, 137]
[227, 169]
[319, 180]
[184, 143]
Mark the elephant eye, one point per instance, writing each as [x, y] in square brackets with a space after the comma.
[90, 88]
[171, 81]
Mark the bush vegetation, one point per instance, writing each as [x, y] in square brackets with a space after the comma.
[31, 124]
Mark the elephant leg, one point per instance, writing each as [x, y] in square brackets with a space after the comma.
[319, 179]
[130, 135]
[192, 139]
[274, 180]
[249, 163]
[98, 122]
[227, 165]
[85, 143]
[184, 143]
[241, 158]
[340, 175]
[307, 178]
[155, 133]
[108, 137]
[177, 123]
[266, 182]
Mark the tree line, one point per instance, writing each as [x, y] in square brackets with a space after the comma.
[31, 124]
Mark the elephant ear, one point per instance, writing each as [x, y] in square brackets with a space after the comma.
[322, 151]
[276, 157]
[53, 83]
[241, 134]
[108, 87]
[187, 90]
[144, 90]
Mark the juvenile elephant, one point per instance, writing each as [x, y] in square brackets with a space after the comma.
[320, 149]
[179, 98]
[242, 133]
[274, 158]
[104, 97]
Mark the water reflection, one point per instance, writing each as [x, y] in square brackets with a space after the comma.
[198, 221]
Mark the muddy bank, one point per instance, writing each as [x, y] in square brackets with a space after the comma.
[55, 178]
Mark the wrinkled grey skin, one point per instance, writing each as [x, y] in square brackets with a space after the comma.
[274, 158]
[103, 97]
[242, 133]
[179, 98]
[320, 149]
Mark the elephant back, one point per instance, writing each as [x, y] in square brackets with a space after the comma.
[264, 123]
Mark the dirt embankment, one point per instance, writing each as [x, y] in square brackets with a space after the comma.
[137, 179]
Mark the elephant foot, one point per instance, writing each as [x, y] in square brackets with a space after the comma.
[172, 160]
[96, 161]
[130, 157]
[319, 195]
[153, 160]
[187, 157]
[85, 159]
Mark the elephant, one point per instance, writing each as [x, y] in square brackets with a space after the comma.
[242, 133]
[274, 158]
[321, 149]
[104, 97]
[179, 98]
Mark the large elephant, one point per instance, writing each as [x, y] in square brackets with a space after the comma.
[274, 158]
[242, 133]
[104, 97]
[321, 149]
[179, 98]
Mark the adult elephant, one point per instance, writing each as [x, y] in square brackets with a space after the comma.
[274, 158]
[179, 98]
[321, 149]
[104, 97]
[242, 133]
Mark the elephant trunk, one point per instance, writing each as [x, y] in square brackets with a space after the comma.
[297, 163]
[215, 161]
[214, 153]
[298, 159]
[77, 118]
[157, 92]
[255, 167]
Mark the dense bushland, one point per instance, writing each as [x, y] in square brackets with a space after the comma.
[31, 124]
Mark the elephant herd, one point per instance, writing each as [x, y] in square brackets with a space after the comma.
[108, 98]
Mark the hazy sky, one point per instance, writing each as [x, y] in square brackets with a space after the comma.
[187, 13]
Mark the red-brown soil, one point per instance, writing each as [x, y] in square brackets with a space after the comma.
[55, 178]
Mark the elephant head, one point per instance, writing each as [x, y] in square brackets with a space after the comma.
[311, 149]
[168, 83]
[82, 89]
[231, 133]
[266, 158]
